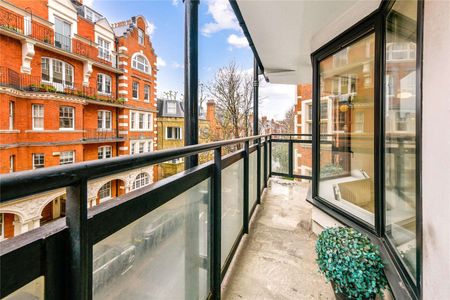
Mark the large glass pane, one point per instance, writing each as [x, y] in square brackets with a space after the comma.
[157, 256]
[280, 157]
[302, 158]
[400, 116]
[347, 170]
[252, 180]
[232, 205]
[34, 290]
[261, 168]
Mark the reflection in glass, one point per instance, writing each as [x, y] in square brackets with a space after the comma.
[280, 157]
[156, 257]
[33, 290]
[252, 180]
[400, 118]
[232, 206]
[347, 140]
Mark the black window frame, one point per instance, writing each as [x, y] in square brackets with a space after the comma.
[375, 23]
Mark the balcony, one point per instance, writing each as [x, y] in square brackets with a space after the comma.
[37, 84]
[95, 135]
[36, 30]
[175, 238]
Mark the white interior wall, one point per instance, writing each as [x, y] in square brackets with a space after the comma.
[436, 151]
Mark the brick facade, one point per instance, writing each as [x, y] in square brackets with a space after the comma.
[76, 64]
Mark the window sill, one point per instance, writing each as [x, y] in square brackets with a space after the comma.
[9, 131]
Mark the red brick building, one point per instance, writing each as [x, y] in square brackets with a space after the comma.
[73, 87]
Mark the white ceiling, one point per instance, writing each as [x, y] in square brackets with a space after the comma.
[286, 32]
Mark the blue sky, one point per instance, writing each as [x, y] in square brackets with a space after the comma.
[220, 41]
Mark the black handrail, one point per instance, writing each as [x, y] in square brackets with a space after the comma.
[21, 184]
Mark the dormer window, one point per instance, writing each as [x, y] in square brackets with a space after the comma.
[171, 108]
[140, 62]
[141, 36]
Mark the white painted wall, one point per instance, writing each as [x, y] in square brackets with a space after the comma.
[436, 151]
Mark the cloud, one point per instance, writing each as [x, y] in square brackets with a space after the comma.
[150, 27]
[176, 65]
[223, 17]
[237, 41]
[175, 2]
[276, 99]
[160, 62]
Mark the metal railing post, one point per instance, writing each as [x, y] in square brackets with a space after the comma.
[246, 183]
[80, 255]
[265, 161]
[258, 171]
[290, 158]
[216, 225]
[270, 156]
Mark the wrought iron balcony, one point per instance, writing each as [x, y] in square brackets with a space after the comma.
[45, 84]
[101, 135]
[96, 252]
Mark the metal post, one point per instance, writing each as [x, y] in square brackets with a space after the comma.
[258, 172]
[246, 183]
[192, 257]
[191, 79]
[216, 224]
[290, 159]
[270, 156]
[265, 161]
[255, 97]
[80, 260]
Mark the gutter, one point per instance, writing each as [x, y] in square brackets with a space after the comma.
[240, 18]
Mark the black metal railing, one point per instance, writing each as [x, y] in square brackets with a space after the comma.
[63, 42]
[98, 134]
[45, 84]
[77, 256]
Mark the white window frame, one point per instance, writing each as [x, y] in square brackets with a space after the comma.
[103, 151]
[135, 146]
[171, 107]
[101, 118]
[106, 188]
[141, 180]
[141, 63]
[73, 118]
[104, 49]
[175, 130]
[147, 92]
[68, 35]
[102, 81]
[133, 84]
[141, 36]
[12, 163]
[48, 61]
[67, 157]
[135, 121]
[11, 114]
[37, 114]
[35, 157]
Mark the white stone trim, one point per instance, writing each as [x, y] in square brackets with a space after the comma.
[123, 92]
[123, 131]
[123, 116]
[123, 77]
[123, 124]
[123, 84]
[123, 148]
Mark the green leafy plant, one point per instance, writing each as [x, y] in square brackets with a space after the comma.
[351, 262]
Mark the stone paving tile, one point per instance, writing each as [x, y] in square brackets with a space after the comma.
[277, 259]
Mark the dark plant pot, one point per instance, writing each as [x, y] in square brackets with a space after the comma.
[34, 89]
[340, 296]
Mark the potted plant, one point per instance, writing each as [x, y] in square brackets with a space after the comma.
[34, 88]
[351, 262]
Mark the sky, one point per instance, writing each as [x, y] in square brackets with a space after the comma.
[220, 41]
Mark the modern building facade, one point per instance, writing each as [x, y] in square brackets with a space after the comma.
[73, 88]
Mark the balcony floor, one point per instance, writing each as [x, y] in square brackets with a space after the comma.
[277, 259]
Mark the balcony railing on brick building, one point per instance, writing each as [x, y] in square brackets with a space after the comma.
[26, 26]
[96, 134]
[29, 83]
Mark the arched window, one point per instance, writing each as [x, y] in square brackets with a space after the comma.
[140, 62]
[105, 191]
[141, 180]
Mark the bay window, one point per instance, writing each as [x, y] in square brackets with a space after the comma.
[57, 72]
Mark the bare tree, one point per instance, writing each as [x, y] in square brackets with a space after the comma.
[231, 89]
[170, 95]
[289, 120]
